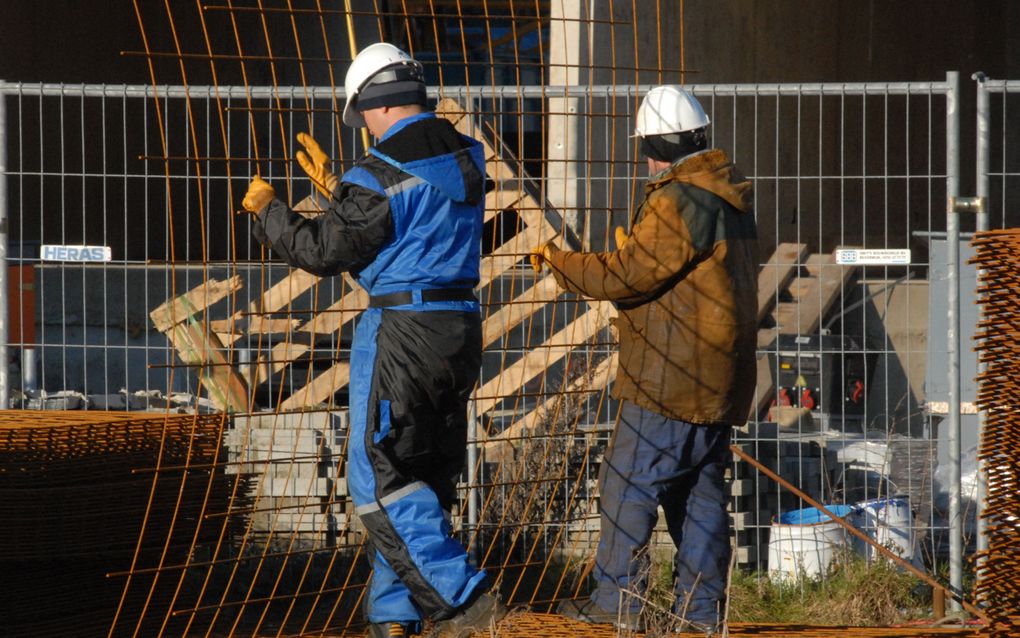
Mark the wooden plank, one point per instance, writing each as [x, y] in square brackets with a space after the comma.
[512, 314]
[234, 328]
[508, 255]
[349, 307]
[284, 291]
[801, 286]
[320, 388]
[280, 295]
[498, 446]
[766, 336]
[540, 358]
[175, 311]
[451, 110]
[196, 346]
[500, 199]
[815, 302]
[776, 275]
[765, 391]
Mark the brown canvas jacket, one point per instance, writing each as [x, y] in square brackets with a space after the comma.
[686, 284]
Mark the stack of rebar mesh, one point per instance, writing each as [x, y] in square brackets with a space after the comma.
[81, 499]
[998, 344]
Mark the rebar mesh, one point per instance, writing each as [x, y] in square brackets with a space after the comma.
[998, 342]
[276, 549]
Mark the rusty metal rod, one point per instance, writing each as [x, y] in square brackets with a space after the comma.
[859, 534]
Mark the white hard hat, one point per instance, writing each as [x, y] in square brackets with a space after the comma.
[369, 62]
[669, 109]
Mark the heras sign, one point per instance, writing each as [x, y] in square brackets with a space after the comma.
[50, 252]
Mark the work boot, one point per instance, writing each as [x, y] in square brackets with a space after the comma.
[391, 630]
[484, 612]
[585, 610]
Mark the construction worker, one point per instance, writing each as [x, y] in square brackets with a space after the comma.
[685, 284]
[406, 222]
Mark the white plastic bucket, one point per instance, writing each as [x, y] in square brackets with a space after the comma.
[889, 522]
[803, 542]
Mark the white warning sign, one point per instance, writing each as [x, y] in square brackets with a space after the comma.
[873, 257]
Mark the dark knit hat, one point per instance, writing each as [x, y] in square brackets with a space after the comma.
[396, 85]
[673, 146]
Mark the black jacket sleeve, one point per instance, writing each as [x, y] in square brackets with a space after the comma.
[345, 238]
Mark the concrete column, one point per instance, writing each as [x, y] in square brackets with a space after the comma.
[562, 125]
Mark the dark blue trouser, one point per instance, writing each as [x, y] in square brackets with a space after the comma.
[653, 461]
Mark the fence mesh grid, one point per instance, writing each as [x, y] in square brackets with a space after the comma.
[157, 173]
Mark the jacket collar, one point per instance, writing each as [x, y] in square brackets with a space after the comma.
[703, 161]
[710, 170]
[400, 124]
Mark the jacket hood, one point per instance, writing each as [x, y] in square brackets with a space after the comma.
[712, 171]
[458, 175]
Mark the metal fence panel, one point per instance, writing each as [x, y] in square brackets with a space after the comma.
[157, 175]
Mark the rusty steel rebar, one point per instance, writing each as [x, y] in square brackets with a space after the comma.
[998, 343]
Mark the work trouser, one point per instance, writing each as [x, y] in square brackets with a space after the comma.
[653, 461]
[411, 375]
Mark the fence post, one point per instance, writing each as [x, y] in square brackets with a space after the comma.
[981, 190]
[4, 364]
[953, 342]
[472, 486]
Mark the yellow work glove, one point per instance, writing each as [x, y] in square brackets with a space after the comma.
[539, 256]
[315, 163]
[259, 194]
[621, 237]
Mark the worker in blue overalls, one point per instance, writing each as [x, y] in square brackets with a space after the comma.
[406, 222]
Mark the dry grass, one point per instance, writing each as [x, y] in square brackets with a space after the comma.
[855, 593]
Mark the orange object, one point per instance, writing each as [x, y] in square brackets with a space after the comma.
[807, 400]
[784, 397]
[21, 308]
[858, 391]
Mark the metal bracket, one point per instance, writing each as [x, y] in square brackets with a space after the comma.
[967, 204]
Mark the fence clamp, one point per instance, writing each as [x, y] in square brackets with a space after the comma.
[967, 204]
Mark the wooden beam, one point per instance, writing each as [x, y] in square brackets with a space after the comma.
[173, 312]
[775, 276]
[196, 346]
[764, 393]
[512, 314]
[498, 446]
[329, 321]
[232, 329]
[541, 358]
[815, 299]
[320, 388]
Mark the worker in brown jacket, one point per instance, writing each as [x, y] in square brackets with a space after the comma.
[685, 283]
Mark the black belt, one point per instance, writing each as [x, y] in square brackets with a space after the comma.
[405, 297]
